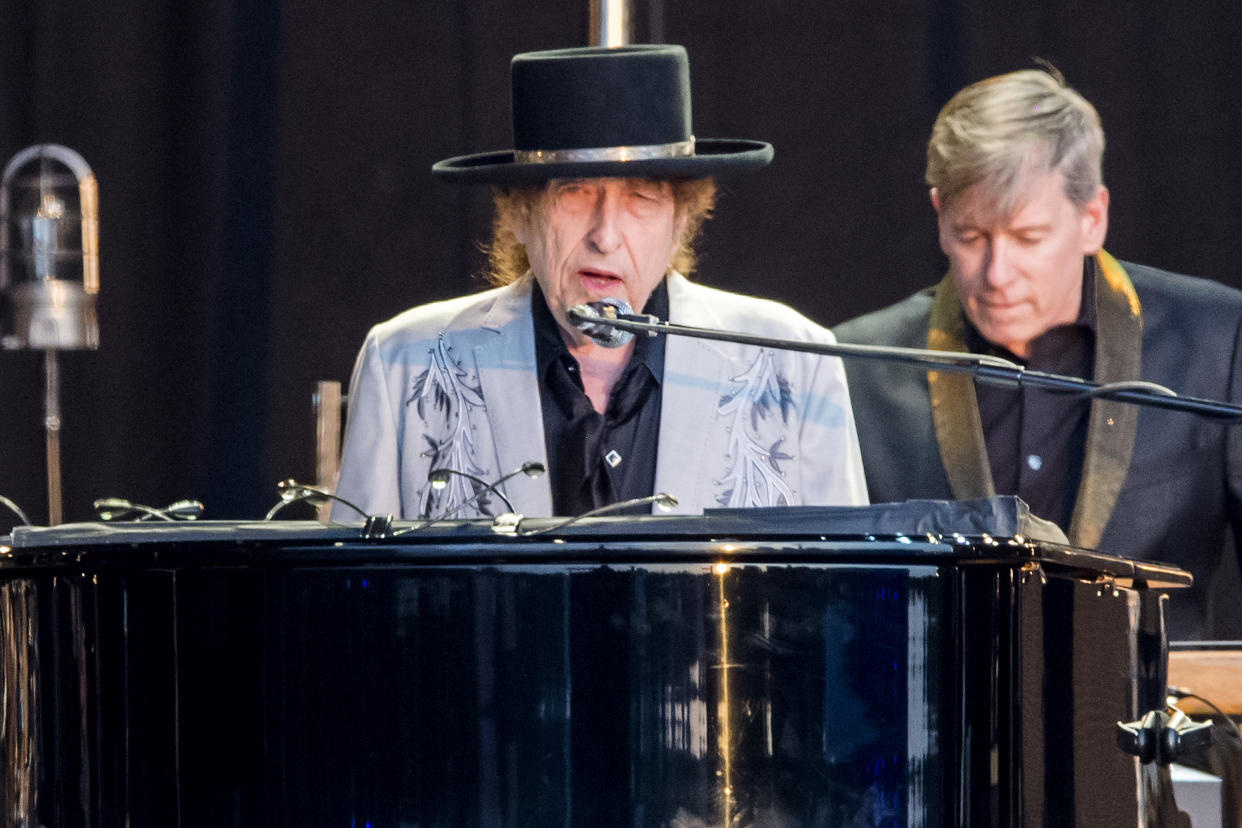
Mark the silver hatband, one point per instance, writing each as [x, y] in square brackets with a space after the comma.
[644, 152]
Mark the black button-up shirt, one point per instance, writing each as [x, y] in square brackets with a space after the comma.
[596, 459]
[1036, 439]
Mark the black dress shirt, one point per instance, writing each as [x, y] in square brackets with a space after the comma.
[596, 459]
[1036, 439]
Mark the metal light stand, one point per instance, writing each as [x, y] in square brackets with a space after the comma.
[610, 23]
[51, 427]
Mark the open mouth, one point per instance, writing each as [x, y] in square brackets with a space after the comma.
[600, 281]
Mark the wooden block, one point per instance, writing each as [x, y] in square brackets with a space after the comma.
[1214, 674]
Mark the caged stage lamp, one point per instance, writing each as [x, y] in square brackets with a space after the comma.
[49, 251]
[49, 271]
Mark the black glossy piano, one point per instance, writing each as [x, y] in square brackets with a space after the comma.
[922, 664]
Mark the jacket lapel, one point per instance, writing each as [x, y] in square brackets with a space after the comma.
[694, 372]
[954, 407]
[505, 362]
[1112, 426]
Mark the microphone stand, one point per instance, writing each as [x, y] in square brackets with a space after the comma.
[984, 368]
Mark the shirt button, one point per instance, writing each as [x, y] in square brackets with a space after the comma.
[1034, 461]
[613, 458]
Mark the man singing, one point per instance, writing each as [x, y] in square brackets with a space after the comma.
[601, 198]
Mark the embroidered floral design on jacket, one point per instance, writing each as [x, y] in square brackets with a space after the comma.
[758, 409]
[448, 400]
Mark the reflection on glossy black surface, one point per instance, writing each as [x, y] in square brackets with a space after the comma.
[665, 684]
[594, 697]
[19, 697]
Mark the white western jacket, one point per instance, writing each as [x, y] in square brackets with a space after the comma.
[452, 385]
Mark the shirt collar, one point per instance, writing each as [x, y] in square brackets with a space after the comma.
[550, 345]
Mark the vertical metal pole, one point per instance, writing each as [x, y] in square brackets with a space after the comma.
[51, 424]
[610, 23]
[327, 404]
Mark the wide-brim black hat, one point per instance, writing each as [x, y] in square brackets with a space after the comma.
[597, 112]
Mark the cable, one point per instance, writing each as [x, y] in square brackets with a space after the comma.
[438, 478]
[1182, 693]
[15, 509]
[1130, 385]
[291, 491]
[662, 500]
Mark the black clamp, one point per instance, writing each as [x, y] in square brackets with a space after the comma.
[1163, 738]
[377, 526]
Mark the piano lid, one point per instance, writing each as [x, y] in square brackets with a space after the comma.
[1001, 516]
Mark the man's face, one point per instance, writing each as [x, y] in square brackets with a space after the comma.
[1020, 276]
[591, 238]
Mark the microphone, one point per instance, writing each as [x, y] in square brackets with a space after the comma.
[114, 508]
[439, 478]
[586, 318]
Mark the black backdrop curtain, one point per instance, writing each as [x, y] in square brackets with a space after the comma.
[265, 189]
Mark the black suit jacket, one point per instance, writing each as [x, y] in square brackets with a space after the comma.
[1157, 485]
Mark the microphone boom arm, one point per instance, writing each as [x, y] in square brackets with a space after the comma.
[986, 369]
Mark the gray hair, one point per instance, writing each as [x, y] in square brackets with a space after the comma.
[694, 198]
[1000, 130]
